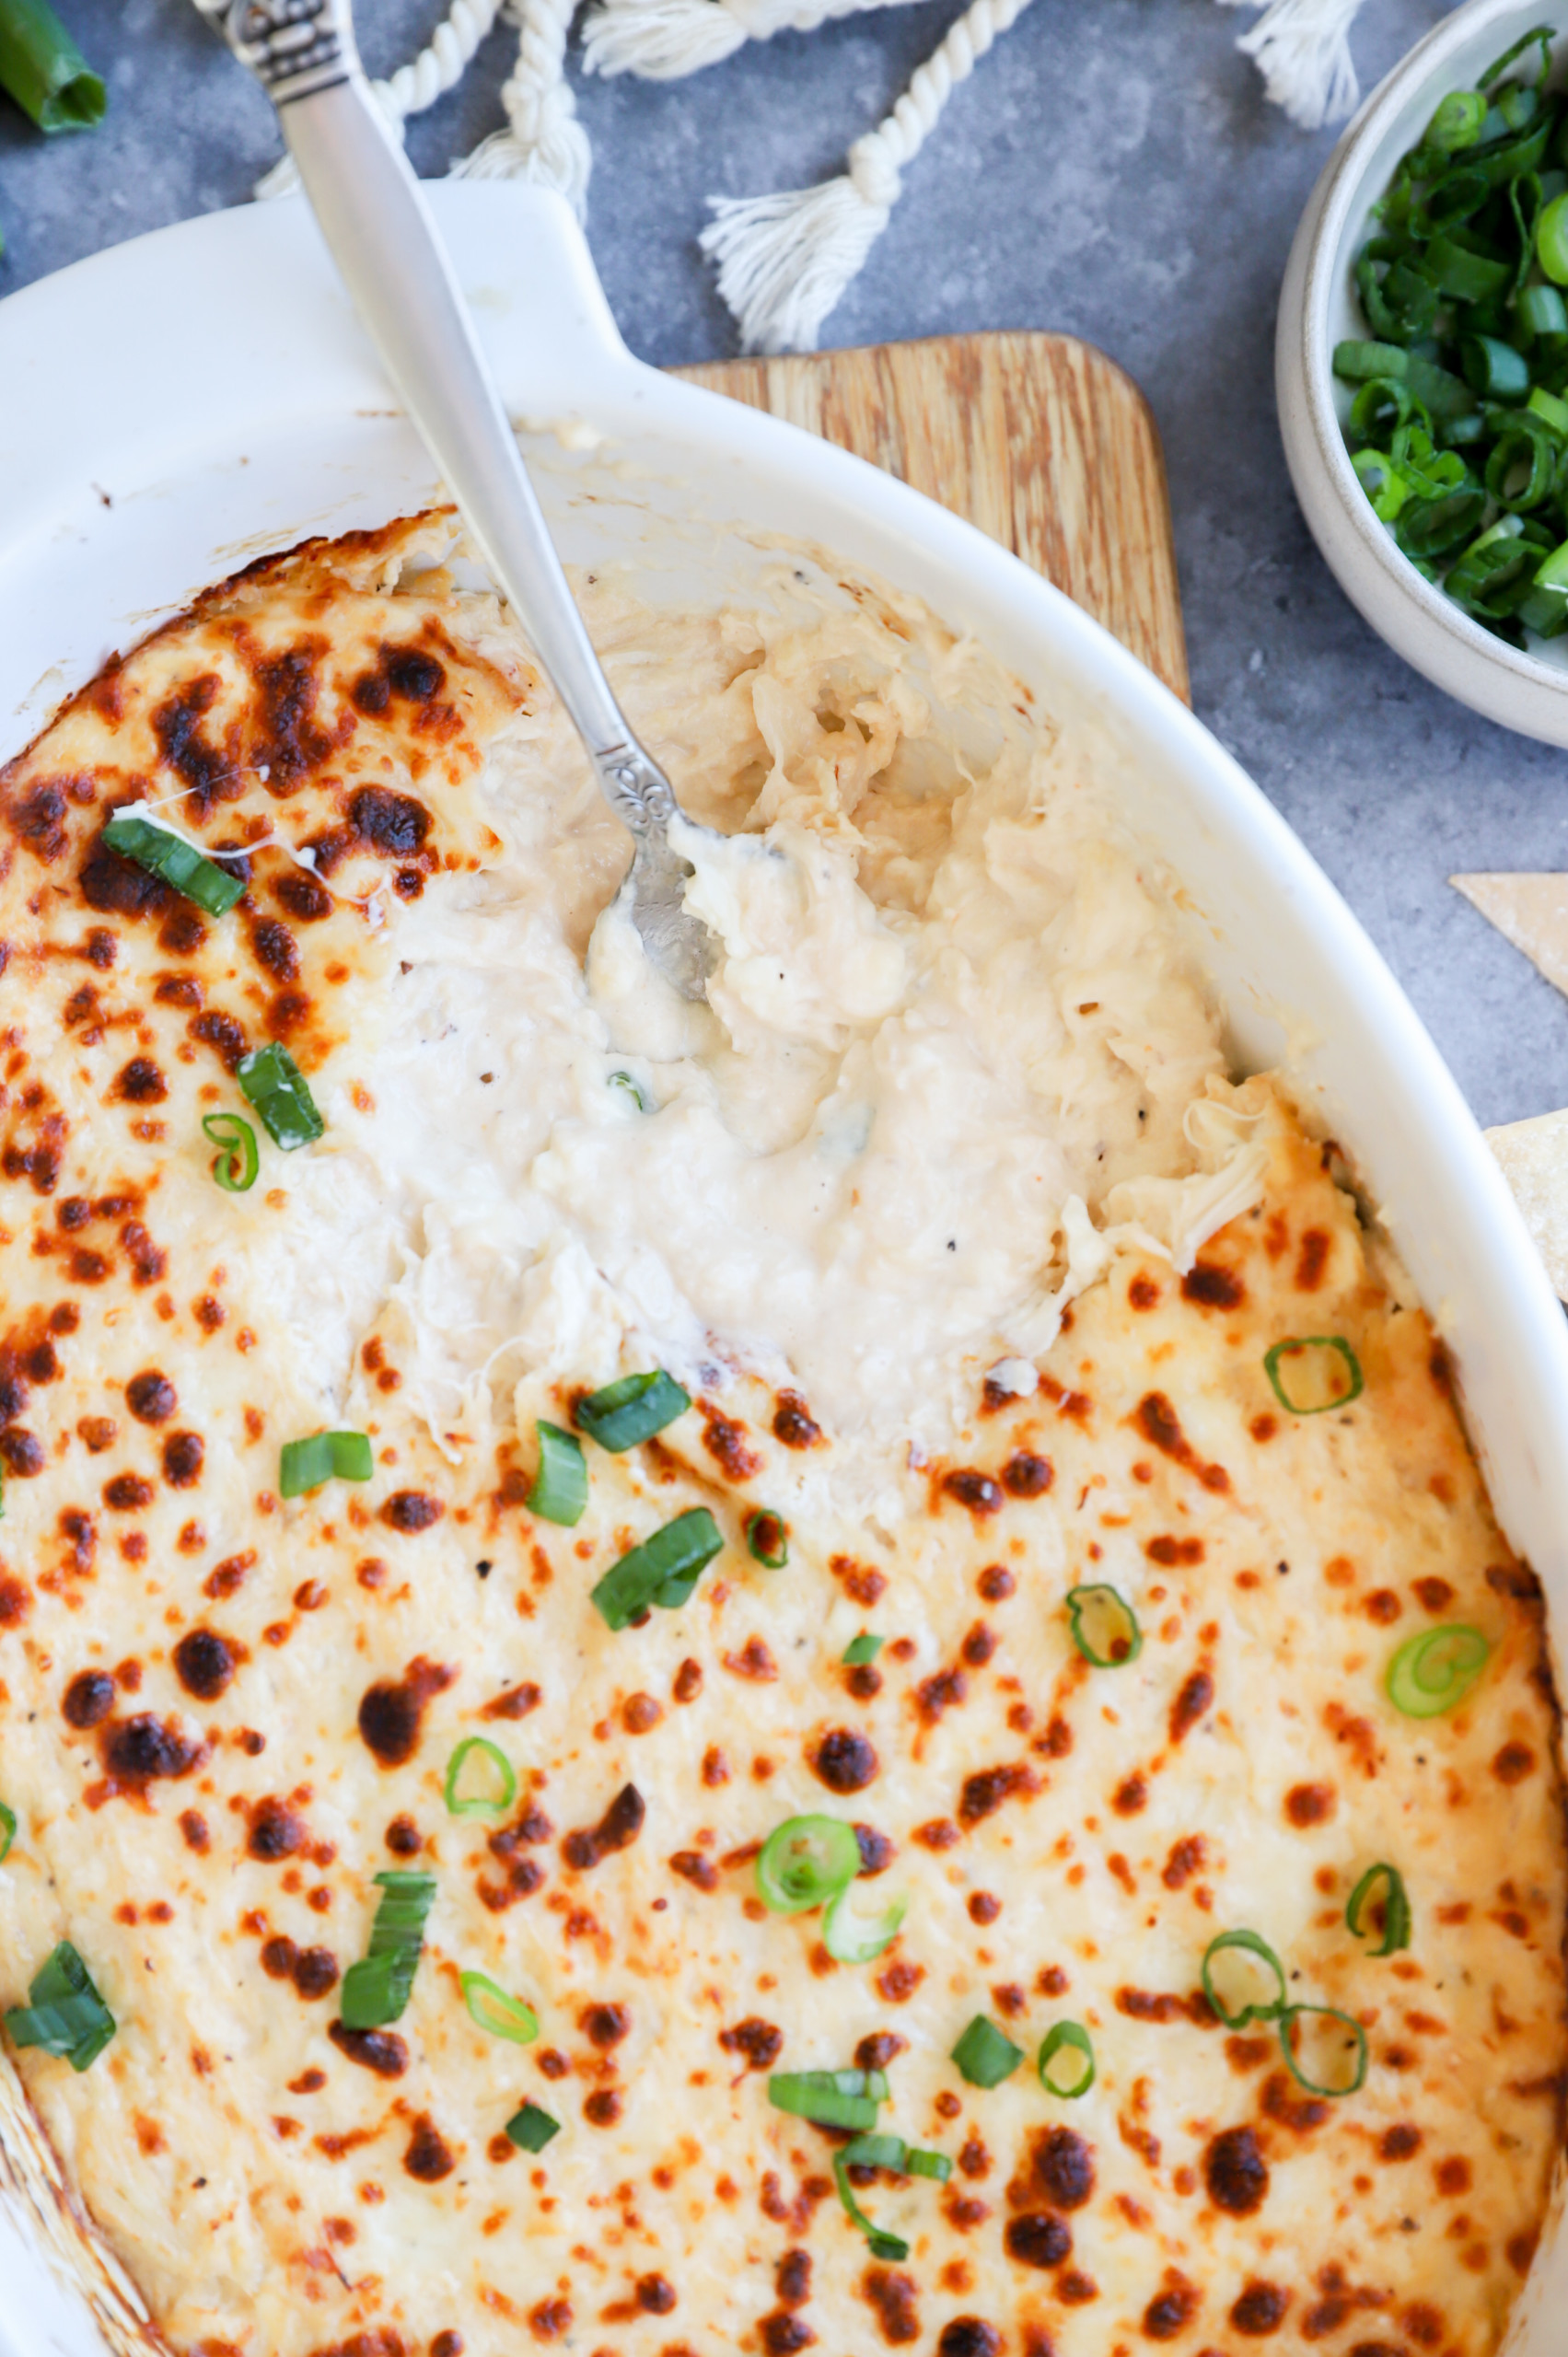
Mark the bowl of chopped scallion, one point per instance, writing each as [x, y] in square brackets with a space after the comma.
[1421, 362]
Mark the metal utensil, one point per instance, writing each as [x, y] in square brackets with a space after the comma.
[380, 234]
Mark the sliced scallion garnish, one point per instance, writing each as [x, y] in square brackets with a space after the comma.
[664, 1570]
[274, 1084]
[8, 1830]
[376, 1989]
[324, 1456]
[46, 71]
[1255, 1987]
[487, 1787]
[767, 1538]
[829, 2098]
[628, 1086]
[167, 855]
[1396, 1909]
[986, 2055]
[560, 1491]
[531, 2130]
[1338, 2056]
[849, 1938]
[632, 1409]
[1323, 1372]
[805, 1862]
[1435, 1670]
[64, 2015]
[236, 1168]
[863, 1649]
[884, 2153]
[491, 2008]
[1104, 1627]
[1076, 2076]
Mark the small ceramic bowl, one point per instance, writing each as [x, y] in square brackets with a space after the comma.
[1527, 691]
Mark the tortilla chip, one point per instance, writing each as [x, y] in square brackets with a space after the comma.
[1534, 1157]
[1531, 911]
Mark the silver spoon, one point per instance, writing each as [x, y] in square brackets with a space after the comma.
[380, 234]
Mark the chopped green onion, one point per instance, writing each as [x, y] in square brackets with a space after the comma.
[1543, 311]
[828, 2098]
[767, 1538]
[1466, 277]
[632, 1409]
[377, 1989]
[490, 2008]
[1545, 35]
[1434, 1671]
[1457, 123]
[64, 2015]
[277, 1088]
[1325, 1373]
[664, 1570]
[560, 1491]
[1396, 1909]
[1104, 1626]
[324, 1456]
[1552, 413]
[531, 2130]
[490, 1756]
[862, 1649]
[850, 1939]
[1523, 466]
[8, 1830]
[46, 71]
[166, 855]
[1342, 2067]
[1380, 406]
[624, 1081]
[1253, 1995]
[1359, 363]
[1552, 240]
[236, 1165]
[871, 2152]
[884, 2153]
[1384, 484]
[806, 1861]
[1494, 369]
[1077, 2077]
[985, 2055]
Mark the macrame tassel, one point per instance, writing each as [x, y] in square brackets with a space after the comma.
[1302, 50]
[662, 40]
[429, 76]
[785, 261]
[543, 142]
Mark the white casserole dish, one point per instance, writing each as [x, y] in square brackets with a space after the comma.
[188, 402]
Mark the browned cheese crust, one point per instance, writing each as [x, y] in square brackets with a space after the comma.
[222, 1714]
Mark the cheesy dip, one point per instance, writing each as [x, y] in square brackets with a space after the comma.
[821, 1670]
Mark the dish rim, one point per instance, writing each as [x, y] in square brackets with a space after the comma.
[526, 265]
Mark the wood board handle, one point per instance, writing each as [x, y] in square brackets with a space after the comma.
[1039, 439]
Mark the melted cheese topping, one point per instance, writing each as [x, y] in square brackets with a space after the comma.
[957, 1105]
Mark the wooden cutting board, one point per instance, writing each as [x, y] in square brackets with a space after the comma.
[1039, 439]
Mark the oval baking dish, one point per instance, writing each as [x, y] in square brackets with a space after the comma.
[125, 488]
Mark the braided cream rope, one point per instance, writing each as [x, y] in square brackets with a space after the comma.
[785, 261]
[1302, 50]
[439, 67]
[662, 40]
[543, 140]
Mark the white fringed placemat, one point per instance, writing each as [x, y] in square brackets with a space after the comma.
[782, 261]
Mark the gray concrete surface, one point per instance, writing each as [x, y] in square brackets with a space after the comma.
[1112, 170]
